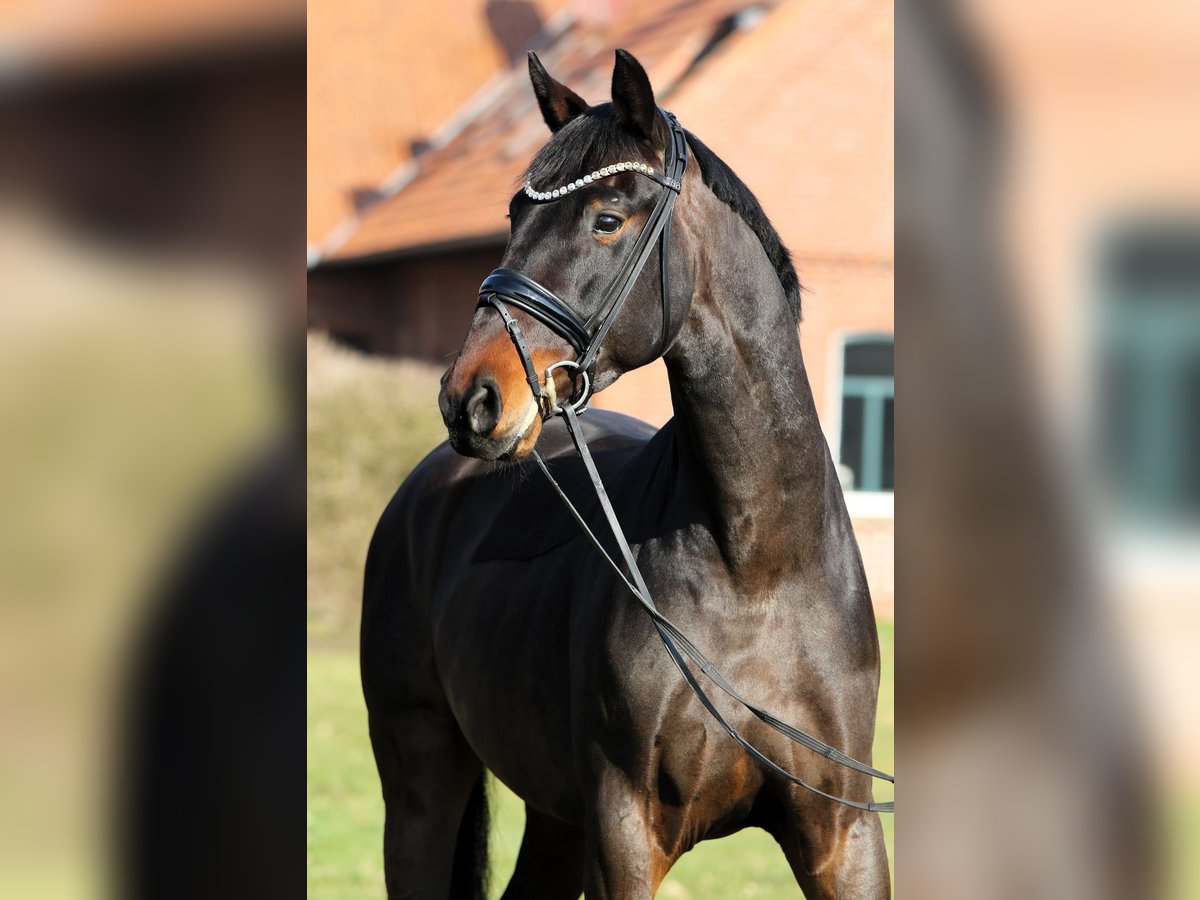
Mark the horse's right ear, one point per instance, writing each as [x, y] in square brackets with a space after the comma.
[559, 103]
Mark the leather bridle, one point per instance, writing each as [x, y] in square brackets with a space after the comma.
[507, 287]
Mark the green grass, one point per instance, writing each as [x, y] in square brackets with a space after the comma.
[345, 813]
[1180, 826]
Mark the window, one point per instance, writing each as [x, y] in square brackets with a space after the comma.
[868, 413]
[1149, 398]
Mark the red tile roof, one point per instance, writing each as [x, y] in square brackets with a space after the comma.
[800, 106]
[384, 74]
[460, 192]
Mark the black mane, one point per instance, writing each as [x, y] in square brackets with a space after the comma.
[596, 138]
[732, 191]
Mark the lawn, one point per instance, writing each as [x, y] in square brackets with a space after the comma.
[345, 813]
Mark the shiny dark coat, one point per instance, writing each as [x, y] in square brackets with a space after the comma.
[495, 637]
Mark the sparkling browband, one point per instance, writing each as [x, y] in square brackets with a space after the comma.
[596, 176]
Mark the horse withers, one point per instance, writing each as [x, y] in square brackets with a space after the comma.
[495, 638]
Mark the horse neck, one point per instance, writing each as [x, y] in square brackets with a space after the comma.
[750, 445]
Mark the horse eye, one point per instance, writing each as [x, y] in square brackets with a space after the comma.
[606, 223]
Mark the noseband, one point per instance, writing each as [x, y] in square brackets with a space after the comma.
[508, 287]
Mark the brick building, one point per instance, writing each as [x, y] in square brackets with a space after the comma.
[795, 96]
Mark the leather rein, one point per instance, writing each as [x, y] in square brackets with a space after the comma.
[508, 287]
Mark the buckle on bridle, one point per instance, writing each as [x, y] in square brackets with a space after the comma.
[550, 392]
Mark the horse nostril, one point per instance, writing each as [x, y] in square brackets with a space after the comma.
[482, 408]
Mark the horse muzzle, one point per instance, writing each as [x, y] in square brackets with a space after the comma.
[480, 425]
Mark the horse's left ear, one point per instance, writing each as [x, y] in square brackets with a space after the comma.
[632, 96]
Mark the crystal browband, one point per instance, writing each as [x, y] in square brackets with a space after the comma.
[640, 168]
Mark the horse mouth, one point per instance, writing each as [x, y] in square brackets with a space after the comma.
[516, 445]
[524, 437]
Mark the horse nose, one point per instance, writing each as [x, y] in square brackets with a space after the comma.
[481, 409]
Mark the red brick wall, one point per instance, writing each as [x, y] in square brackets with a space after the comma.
[876, 542]
[840, 298]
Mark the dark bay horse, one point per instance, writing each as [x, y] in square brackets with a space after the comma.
[494, 637]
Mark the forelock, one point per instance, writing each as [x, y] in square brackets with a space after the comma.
[586, 143]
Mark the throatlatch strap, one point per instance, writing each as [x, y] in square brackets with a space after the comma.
[667, 631]
[664, 243]
[627, 277]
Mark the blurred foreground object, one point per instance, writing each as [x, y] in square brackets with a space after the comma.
[151, 229]
[1032, 141]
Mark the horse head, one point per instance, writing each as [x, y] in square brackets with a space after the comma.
[590, 193]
